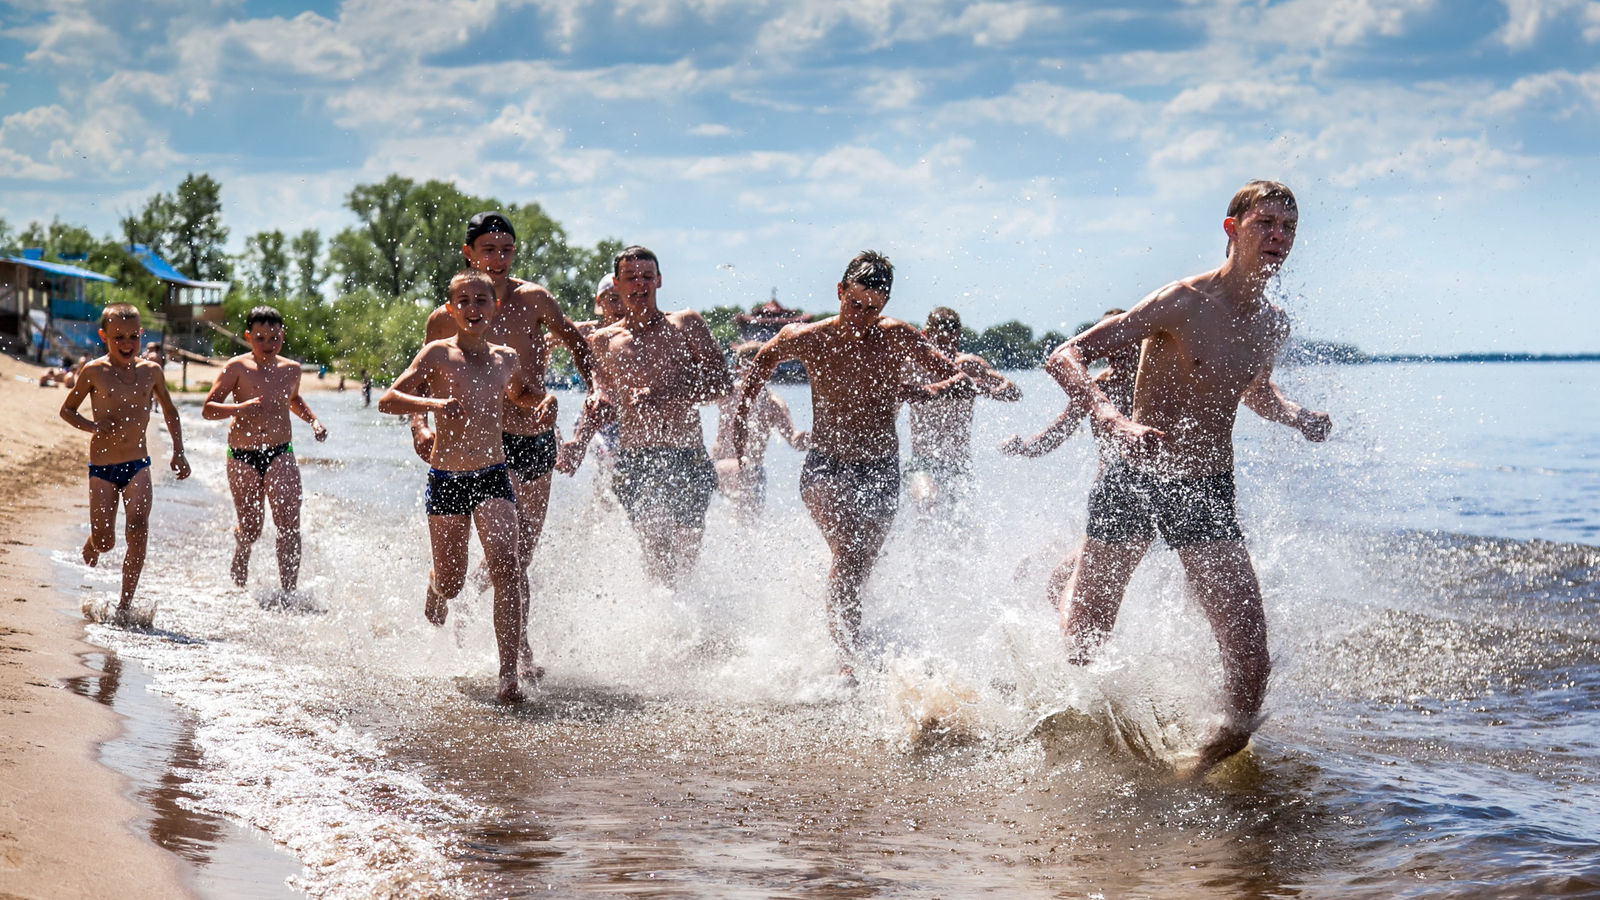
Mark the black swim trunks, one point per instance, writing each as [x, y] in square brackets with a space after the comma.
[872, 486]
[260, 460]
[459, 493]
[120, 474]
[530, 456]
[678, 479]
[1127, 505]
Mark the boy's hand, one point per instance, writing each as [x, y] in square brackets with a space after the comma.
[246, 405]
[319, 431]
[180, 466]
[422, 443]
[569, 457]
[447, 406]
[915, 393]
[1314, 425]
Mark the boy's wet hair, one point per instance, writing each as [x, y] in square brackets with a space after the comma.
[264, 315]
[1260, 191]
[117, 311]
[635, 252]
[870, 269]
[465, 275]
[944, 320]
[488, 222]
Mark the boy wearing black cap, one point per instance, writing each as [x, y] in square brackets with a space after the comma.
[526, 311]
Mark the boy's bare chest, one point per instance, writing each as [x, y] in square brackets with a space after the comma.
[267, 382]
[1226, 352]
[653, 351]
[856, 370]
[477, 382]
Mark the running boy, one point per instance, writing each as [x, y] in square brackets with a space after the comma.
[261, 462]
[465, 381]
[121, 386]
[851, 478]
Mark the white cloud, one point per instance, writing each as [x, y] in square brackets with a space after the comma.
[1526, 20]
[1057, 109]
[891, 90]
[713, 130]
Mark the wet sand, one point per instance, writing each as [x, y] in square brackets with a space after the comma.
[64, 817]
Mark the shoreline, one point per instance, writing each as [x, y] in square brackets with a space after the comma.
[71, 825]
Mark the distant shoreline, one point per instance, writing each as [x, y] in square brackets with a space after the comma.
[1482, 357]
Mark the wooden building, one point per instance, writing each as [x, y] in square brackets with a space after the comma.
[49, 309]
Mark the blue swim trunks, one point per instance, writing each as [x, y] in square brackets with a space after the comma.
[119, 474]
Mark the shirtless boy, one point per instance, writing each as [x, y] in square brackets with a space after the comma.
[745, 485]
[940, 473]
[1209, 344]
[467, 382]
[527, 311]
[265, 388]
[850, 481]
[658, 368]
[120, 387]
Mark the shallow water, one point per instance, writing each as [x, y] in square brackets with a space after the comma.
[1431, 725]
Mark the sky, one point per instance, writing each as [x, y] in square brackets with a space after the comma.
[1017, 160]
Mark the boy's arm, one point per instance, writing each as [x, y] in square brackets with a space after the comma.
[562, 329]
[988, 380]
[950, 377]
[1264, 399]
[298, 405]
[438, 327]
[169, 413]
[227, 382]
[1068, 364]
[783, 346]
[778, 411]
[571, 454]
[74, 399]
[1047, 440]
[405, 396]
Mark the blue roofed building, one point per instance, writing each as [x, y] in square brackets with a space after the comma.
[49, 309]
[190, 308]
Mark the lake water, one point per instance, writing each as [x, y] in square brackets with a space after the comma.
[1430, 581]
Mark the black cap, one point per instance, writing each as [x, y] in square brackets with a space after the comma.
[488, 223]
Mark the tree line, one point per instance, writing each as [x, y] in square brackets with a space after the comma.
[359, 297]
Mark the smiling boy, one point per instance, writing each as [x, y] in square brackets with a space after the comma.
[120, 387]
[262, 468]
[466, 382]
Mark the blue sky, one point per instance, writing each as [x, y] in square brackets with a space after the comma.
[1027, 160]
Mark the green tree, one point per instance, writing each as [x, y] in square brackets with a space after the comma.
[266, 264]
[58, 239]
[1008, 345]
[151, 226]
[305, 261]
[198, 235]
[440, 212]
[387, 224]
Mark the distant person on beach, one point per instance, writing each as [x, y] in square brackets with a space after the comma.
[745, 485]
[940, 474]
[658, 368]
[1116, 382]
[526, 312]
[265, 389]
[1209, 342]
[366, 388]
[850, 481]
[596, 419]
[466, 382]
[120, 388]
[65, 375]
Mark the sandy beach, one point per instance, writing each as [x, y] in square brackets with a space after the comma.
[64, 817]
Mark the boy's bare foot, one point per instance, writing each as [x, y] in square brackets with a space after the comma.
[510, 691]
[528, 671]
[91, 556]
[435, 608]
[239, 569]
[1227, 742]
[847, 676]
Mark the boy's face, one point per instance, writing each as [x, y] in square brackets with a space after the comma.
[121, 336]
[609, 304]
[1264, 235]
[264, 339]
[637, 282]
[859, 306]
[472, 305]
[491, 254]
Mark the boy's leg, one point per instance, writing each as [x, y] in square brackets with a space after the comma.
[1094, 593]
[854, 540]
[103, 500]
[282, 486]
[496, 519]
[1224, 581]
[448, 537]
[249, 492]
[136, 510]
